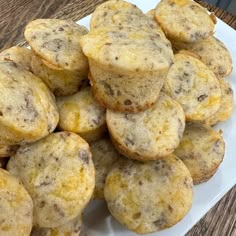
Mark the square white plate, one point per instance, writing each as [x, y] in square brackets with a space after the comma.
[97, 219]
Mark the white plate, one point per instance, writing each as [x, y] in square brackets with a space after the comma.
[97, 219]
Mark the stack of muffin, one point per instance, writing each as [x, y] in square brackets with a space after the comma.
[158, 109]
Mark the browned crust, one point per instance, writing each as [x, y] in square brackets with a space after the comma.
[124, 151]
[133, 155]
[213, 17]
[116, 106]
[48, 63]
[230, 71]
[204, 178]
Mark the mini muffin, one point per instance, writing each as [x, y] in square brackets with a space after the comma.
[150, 134]
[184, 20]
[57, 42]
[71, 228]
[59, 175]
[212, 52]
[226, 107]
[16, 207]
[20, 55]
[194, 86]
[202, 151]
[109, 14]
[28, 110]
[128, 67]
[104, 156]
[148, 197]
[81, 114]
[8, 150]
[61, 82]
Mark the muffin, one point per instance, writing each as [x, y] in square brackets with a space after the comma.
[148, 197]
[194, 86]
[212, 52]
[28, 109]
[226, 106]
[150, 134]
[81, 114]
[56, 42]
[184, 20]
[104, 156]
[109, 14]
[128, 67]
[59, 175]
[202, 151]
[16, 214]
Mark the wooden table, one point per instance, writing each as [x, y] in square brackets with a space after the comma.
[14, 14]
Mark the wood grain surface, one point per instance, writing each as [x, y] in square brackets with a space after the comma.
[14, 14]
